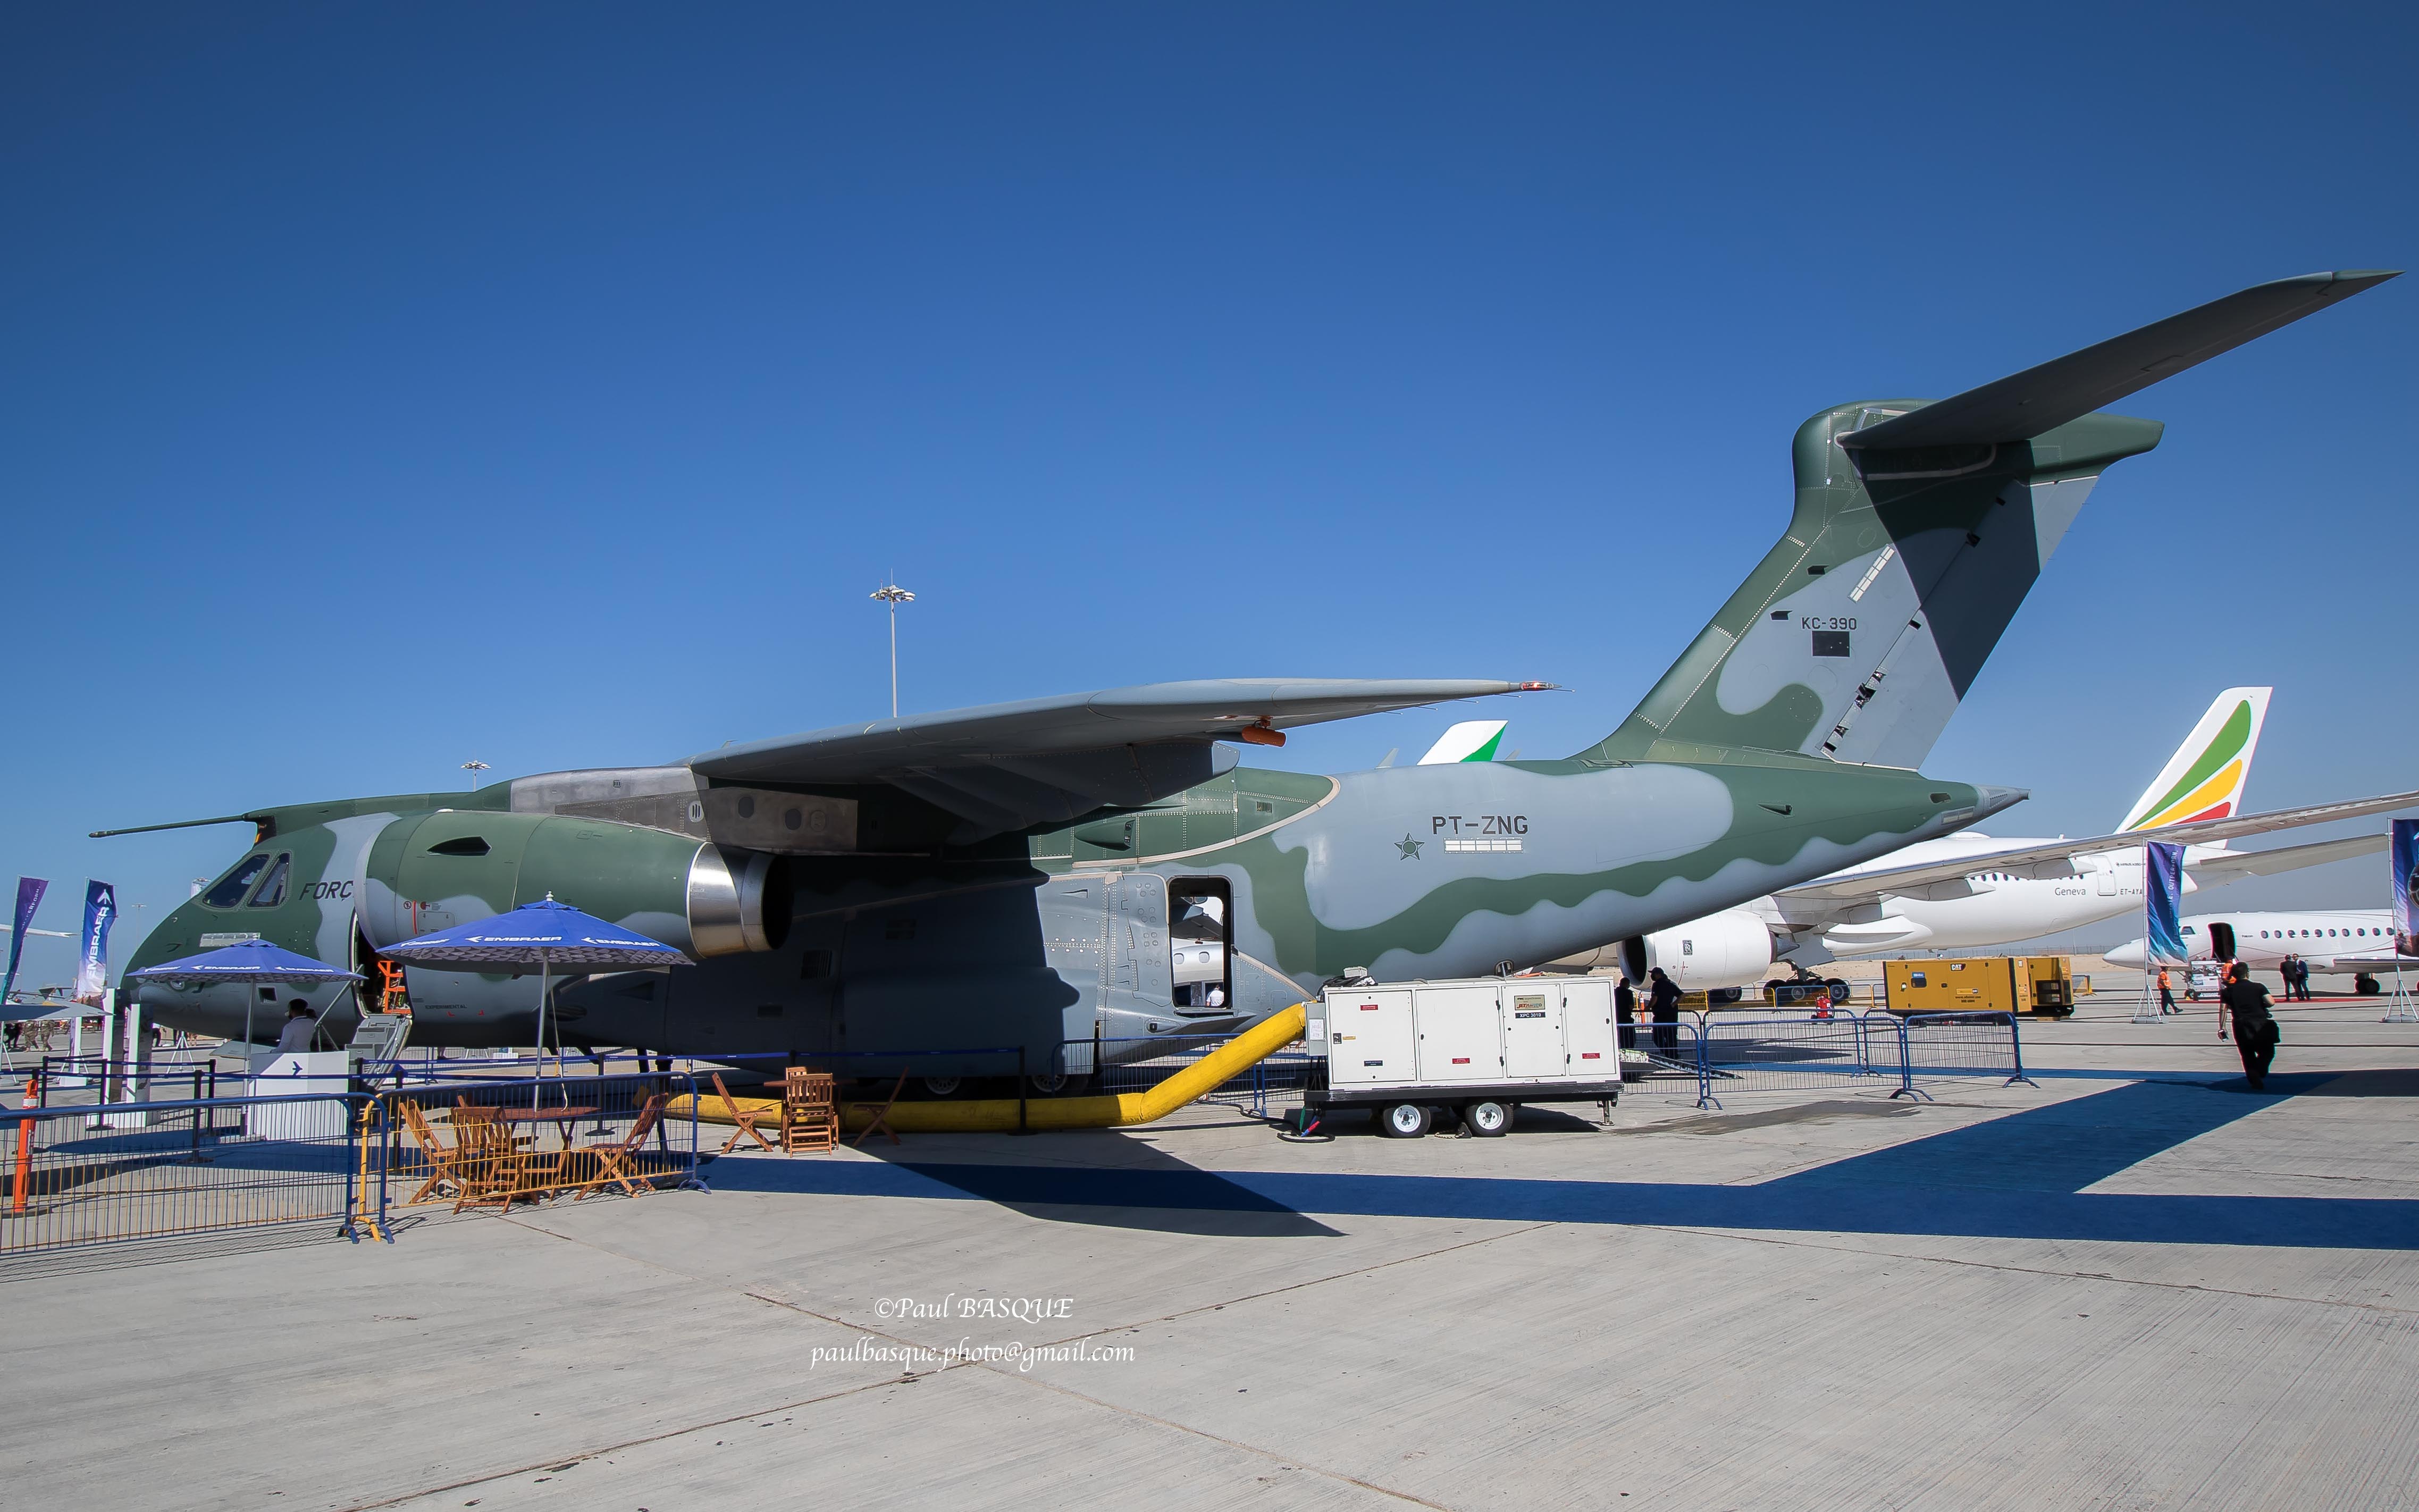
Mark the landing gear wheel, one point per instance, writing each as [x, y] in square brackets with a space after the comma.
[942, 1086]
[2365, 985]
[1488, 1120]
[1405, 1120]
[1050, 1083]
[1838, 987]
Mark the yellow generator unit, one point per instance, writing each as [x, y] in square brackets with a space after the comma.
[1981, 984]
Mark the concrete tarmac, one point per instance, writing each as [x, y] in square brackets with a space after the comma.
[2137, 1285]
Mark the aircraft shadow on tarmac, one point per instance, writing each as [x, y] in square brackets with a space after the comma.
[2019, 1177]
[1124, 1182]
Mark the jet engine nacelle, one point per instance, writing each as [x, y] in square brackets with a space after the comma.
[1726, 950]
[430, 871]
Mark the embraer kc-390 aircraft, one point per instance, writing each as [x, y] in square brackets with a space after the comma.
[1015, 874]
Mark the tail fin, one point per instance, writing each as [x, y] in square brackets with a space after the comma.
[2204, 778]
[1919, 530]
[1472, 740]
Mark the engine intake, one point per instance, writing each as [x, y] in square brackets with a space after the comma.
[1725, 950]
[433, 870]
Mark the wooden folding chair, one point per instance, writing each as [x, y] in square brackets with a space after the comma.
[613, 1156]
[441, 1157]
[810, 1121]
[494, 1170]
[882, 1115]
[744, 1118]
[468, 1112]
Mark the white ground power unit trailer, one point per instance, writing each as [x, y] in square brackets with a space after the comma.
[1480, 1047]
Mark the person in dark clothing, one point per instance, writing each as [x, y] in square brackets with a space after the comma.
[1663, 1002]
[2301, 980]
[2255, 1028]
[1625, 1011]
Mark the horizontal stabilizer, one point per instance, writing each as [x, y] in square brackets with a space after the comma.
[2041, 399]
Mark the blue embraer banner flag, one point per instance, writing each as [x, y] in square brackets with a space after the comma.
[92, 959]
[2405, 852]
[2163, 869]
[30, 897]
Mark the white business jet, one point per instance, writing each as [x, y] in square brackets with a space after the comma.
[1967, 890]
[2343, 942]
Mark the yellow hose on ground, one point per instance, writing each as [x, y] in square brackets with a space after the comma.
[994, 1115]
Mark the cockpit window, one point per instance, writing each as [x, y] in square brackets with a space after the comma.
[272, 891]
[230, 889]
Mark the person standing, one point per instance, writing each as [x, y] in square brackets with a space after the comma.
[2255, 1028]
[296, 1037]
[1663, 1002]
[2166, 993]
[1625, 1011]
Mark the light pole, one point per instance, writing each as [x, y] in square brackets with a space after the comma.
[894, 596]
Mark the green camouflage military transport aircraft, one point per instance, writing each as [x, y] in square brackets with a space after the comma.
[1030, 873]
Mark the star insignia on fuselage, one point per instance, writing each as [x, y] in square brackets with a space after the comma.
[1409, 847]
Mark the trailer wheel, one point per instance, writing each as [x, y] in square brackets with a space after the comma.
[938, 1087]
[1403, 1121]
[1486, 1120]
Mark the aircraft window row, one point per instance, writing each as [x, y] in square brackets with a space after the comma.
[2322, 933]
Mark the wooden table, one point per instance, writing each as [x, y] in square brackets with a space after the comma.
[562, 1118]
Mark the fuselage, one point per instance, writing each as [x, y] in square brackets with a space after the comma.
[1986, 907]
[2261, 940]
[1052, 935]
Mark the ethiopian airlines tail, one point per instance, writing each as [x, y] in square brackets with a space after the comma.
[1918, 529]
[2204, 778]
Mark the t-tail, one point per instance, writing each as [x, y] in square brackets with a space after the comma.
[1919, 528]
[2204, 778]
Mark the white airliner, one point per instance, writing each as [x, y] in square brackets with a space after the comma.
[2346, 942]
[1967, 890]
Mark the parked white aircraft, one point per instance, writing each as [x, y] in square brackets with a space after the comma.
[2345, 942]
[1969, 891]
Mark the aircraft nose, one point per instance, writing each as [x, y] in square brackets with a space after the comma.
[2128, 954]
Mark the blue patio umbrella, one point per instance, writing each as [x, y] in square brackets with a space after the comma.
[253, 960]
[544, 935]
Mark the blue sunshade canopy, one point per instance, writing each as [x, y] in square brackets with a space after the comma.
[252, 961]
[542, 933]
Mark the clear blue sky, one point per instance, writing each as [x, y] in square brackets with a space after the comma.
[352, 349]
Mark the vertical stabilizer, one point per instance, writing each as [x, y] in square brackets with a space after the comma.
[1919, 527]
[1472, 740]
[2204, 778]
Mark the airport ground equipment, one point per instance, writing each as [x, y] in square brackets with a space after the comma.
[1481, 1046]
[1009, 1115]
[1980, 984]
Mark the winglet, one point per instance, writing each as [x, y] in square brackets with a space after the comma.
[2042, 398]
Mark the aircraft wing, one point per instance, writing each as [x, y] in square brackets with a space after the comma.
[2230, 866]
[1002, 767]
[2369, 965]
[2055, 859]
